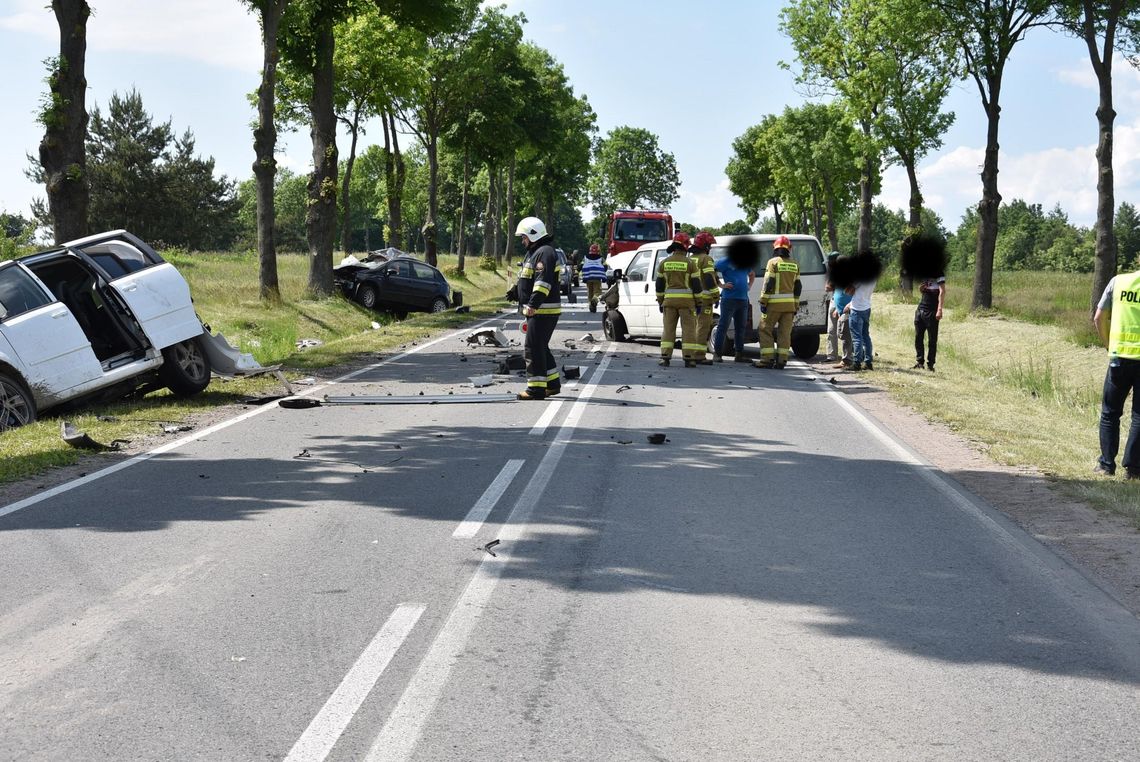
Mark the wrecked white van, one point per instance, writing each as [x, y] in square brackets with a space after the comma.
[101, 315]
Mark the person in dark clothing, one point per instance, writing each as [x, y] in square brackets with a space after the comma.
[540, 301]
[932, 294]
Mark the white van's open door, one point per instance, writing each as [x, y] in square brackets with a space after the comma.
[155, 291]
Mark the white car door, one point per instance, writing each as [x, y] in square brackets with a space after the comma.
[155, 291]
[634, 285]
[52, 352]
[654, 323]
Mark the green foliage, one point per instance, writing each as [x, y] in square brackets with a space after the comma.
[1127, 228]
[750, 171]
[290, 199]
[488, 262]
[631, 171]
[1028, 239]
[737, 227]
[151, 182]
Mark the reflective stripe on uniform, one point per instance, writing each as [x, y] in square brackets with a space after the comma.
[537, 382]
[542, 287]
[767, 351]
[693, 347]
[548, 310]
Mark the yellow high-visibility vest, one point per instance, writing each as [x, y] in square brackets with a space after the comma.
[1124, 329]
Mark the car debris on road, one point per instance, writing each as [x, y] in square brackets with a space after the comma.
[81, 441]
[489, 337]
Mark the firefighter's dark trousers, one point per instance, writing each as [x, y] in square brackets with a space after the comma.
[542, 375]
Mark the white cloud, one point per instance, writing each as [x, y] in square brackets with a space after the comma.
[216, 32]
[712, 207]
[1065, 176]
[1125, 78]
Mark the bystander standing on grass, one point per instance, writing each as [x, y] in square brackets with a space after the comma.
[839, 311]
[859, 323]
[927, 316]
[832, 320]
[1117, 321]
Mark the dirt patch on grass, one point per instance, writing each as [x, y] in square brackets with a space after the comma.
[1105, 546]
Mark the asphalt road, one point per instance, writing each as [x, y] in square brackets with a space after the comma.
[780, 580]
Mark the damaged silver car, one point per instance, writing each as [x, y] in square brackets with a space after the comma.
[100, 316]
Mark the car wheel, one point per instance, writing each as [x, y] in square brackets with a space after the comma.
[805, 346]
[17, 407]
[439, 305]
[185, 369]
[613, 325]
[368, 296]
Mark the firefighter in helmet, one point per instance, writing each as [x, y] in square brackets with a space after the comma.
[710, 291]
[678, 298]
[778, 302]
[540, 301]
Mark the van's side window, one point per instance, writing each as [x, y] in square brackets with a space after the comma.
[118, 258]
[19, 293]
[639, 267]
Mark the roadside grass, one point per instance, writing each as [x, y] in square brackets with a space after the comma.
[225, 291]
[1025, 393]
[1044, 298]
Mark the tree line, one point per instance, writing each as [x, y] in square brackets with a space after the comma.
[495, 127]
[885, 67]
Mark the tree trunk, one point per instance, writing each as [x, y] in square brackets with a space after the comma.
[988, 208]
[816, 216]
[488, 214]
[396, 203]
[463, 208]
[63, 151]
[832, 229]
[549, 216]
[866, 198]
[779, 219]
[429, 230]
[497, 212]
[345, 195]
[1104, 267]
[264, 147]
[510, 236]
[906, 283]
[320, 219]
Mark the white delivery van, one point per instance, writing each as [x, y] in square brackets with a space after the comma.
[811, 317]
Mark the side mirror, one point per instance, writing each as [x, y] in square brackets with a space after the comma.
[618, 274]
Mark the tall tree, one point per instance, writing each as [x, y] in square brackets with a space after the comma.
[1106, 26]
[269, 15]
[630, 170]
[1127, 232]
[984, 33]
[841, 50]
[62, 155]
[750, 173]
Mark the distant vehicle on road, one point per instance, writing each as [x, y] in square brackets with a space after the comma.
[627, 229]
[637, 314]
[100, 315]
[399, 285]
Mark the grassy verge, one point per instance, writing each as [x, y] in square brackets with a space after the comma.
[225, 293]
[1025, 392]
[1043, 298]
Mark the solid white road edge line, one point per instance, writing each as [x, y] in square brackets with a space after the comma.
[326, 728]
[397, 739]
[546, 417]
[59, 489]
[469, 527]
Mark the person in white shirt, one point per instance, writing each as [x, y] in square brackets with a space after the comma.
[859, 323]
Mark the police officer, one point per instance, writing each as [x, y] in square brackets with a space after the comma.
[778, 303]
[710, 291]
[1117, 320]
[678, 297]
[541, 302]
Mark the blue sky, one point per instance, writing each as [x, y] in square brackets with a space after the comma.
[696, 74]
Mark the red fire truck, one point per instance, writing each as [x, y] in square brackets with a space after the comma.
[626, 229]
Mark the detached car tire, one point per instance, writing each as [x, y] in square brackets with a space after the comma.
[185, 368]
[17, 406]
[805, 345]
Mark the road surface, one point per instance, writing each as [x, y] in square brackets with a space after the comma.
[782, 579]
